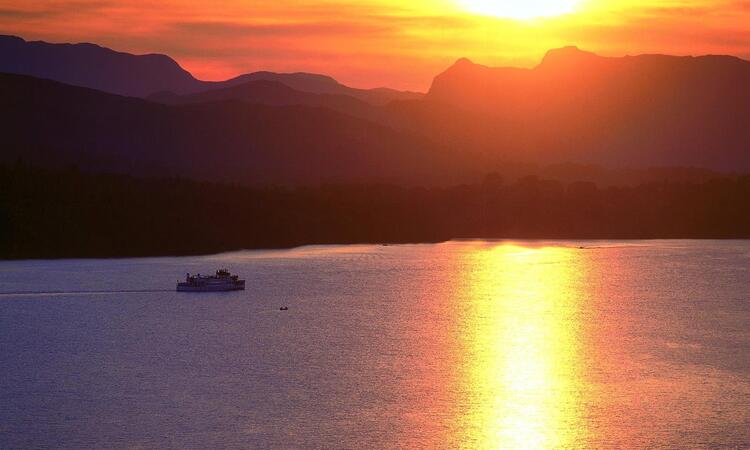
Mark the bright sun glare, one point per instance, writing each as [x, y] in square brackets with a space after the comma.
[520, 9]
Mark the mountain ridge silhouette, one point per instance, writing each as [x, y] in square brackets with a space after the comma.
[646, 110]
[573, 107]
[122, 73]
[50, 124]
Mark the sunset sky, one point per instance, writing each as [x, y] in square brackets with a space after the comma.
[380, 42]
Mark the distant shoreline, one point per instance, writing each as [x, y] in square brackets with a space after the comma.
[53, 214]
[477, 239]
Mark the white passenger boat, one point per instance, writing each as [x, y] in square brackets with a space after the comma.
[221, 281]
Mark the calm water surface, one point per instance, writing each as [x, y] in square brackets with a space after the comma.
[462, 344]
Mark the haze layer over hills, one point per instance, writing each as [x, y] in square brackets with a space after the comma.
[649, 110]
[265, 128]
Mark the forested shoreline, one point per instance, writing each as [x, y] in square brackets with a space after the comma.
[68, 213]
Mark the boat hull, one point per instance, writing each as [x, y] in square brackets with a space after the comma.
[211, 287]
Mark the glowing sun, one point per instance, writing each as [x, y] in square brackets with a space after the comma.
[520, 9]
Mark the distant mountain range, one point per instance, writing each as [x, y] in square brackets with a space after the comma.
[66, 104]
[95, 67]
[319, 84]
[47, 123]
[274, 93]
[649, 110]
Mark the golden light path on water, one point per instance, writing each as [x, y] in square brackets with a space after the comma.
[522, 351]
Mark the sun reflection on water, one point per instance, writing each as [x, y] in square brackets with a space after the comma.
[522, 352]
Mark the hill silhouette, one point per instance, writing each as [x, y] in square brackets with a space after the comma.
[649, 110]
[96, 67]
[574, 110]
[275, 160]
[50, 124]
[321, 84]
[265, 92]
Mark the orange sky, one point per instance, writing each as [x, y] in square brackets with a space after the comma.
[376, 42]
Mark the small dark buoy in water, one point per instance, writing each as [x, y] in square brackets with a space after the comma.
[283, 308]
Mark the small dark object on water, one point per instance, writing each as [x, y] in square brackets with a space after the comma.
[284, 308]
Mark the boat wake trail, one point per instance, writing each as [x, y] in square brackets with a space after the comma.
[63, 293]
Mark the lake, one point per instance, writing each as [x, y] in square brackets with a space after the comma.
[472, 344]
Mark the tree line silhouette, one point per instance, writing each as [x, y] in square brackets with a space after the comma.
[68, 213]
